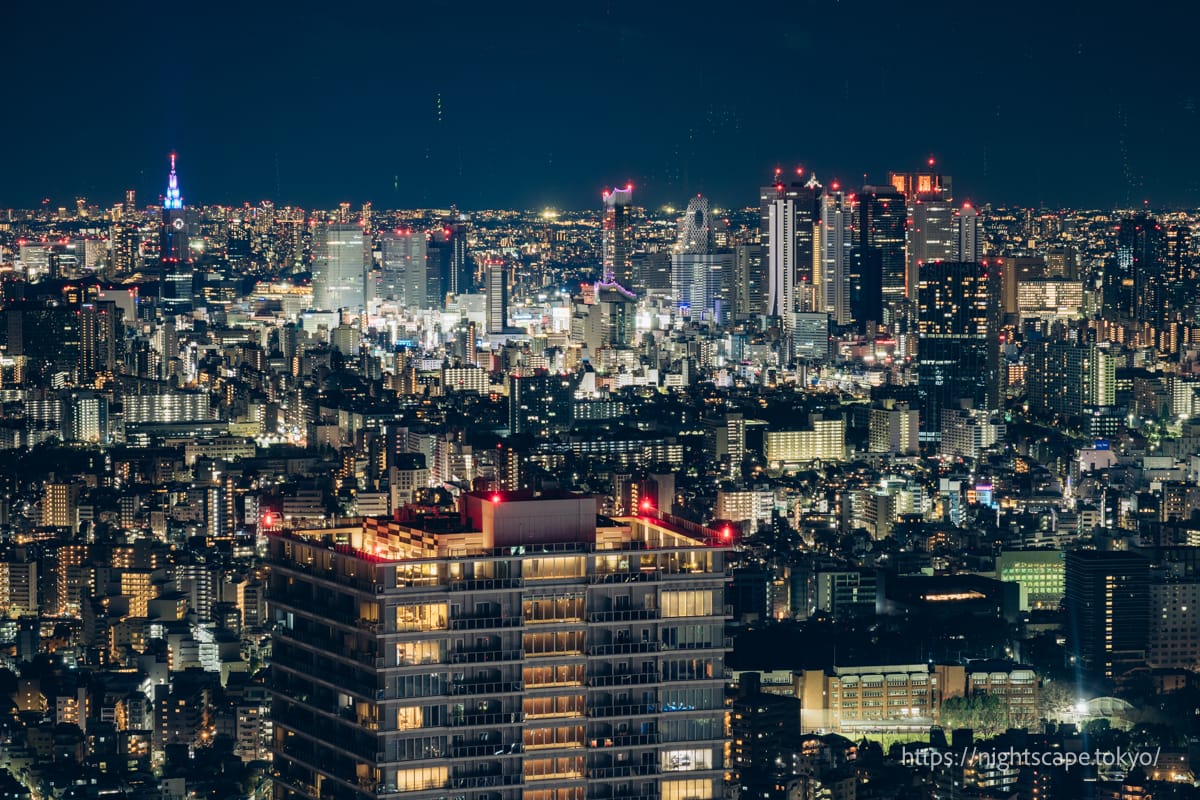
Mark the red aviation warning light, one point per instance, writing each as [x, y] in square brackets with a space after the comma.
[647, 506]
[496, 498]
[726, 533]
[268, 519]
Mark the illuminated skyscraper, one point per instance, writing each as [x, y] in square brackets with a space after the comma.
[701, 279]
[959, 349]
[968, 244]
[931, 229]
[791, 220]
[404, 272]
[617, 236]
[175, 287]
[528, 649]
[781, 259]
[696, 229]
[342, 257]
[1135, 282]
[497, 296]
[877, 276]
[833, 283]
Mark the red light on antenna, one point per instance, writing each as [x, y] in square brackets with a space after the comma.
[496, 497]
[799, 170]
[931, 161]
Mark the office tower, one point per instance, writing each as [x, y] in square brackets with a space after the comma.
[616, 243]
[47, 337]
[792, 224]
[810, 336]
[526, 649]
[342, 256]
[1108, 611]
[175, 287]
[931, 228]
[130, 207]
[449, 271]
[540, 404]
[651, 272]
[404, 271]
[695, 228]
[833, 282]
[497, 295]
[1136, 282]
[958, 323]
[877, 278]
[749, 288]
[968, 244]
[701, 284]
[618, 315]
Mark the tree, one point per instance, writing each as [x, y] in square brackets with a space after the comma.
[985, 714]
[1056, 699]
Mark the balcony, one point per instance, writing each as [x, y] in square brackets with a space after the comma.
[624, 615]
[486, 656]
[486, 750]
[484, 623]
[476, 720]
[613, 710]
[623, 648]
[625, 577]
[725, 643]
[627, 740]
[486, 584]
[625, 771]
[624, 679]
[482, 687]
[477, 781]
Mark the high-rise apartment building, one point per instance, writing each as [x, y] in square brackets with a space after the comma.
[616, 243]
[894, 427]
[1070, 377]
[342, 257]
[522, 650]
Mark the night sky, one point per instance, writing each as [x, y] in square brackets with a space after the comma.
[527, 105]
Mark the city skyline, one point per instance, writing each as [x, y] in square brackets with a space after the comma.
[1022, 114]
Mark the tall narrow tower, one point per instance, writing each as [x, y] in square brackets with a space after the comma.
[617, 236]
[175, 286]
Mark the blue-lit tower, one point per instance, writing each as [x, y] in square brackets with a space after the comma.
[175, 287]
